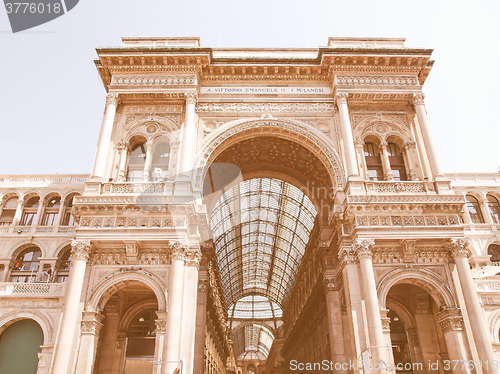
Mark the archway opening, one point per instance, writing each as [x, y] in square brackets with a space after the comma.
[19, 347]
[127, 339]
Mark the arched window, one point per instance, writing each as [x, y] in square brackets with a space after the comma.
[26, 266]
[494, 207]
[68, 219]
[63, 266]
[373, 162]
[29, 211]
[494, 251]
[136, 162]
[251, 369]
[474, 209]
[161, 159]
[397, 162]
[51, 211]
[8, 212]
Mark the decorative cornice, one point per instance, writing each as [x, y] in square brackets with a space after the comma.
[265, 108]
[364, 248]
[153, 80]
[458, 247]
[377, 80]
[80, 249]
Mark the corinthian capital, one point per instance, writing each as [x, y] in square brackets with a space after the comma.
[191, 97]
[364, 248]
[418, 99]
[112, 98]
[80, 249]
[341, 98]
[193, 256]
[347, 255]
[179, 249]
[458, 247]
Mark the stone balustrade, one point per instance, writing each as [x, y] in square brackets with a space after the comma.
[32, 289]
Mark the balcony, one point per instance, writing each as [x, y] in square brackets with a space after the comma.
[393, 187]
[9, 289]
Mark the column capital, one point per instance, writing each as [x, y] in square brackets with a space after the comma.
[91, 323]
[122, 146]
[191, 97]
[364, 248]
[80, 249]
[161, 326]
[112, 98]
[190, 255]
[458, 247]
[418, 99]
[450, 320]
[347, 255]
[359, 144]
[341, 98]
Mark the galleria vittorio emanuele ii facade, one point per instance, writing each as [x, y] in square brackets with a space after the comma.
[255, 211]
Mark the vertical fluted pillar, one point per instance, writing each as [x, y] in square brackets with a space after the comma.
[418, 102]
[105, 136]
[460, 251]
[346, 131]
[334, 318]
[411, 160]
[161, 331]
[193, 259]
[80, 251]
[455, 339]
[122, 163]
[171, 356]
[90, 327]
[386, 164]
[188, 135]
[378, 346]
[147, 161]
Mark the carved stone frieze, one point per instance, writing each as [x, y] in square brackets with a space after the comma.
[326, 108]
[377, 80]
[157, 80]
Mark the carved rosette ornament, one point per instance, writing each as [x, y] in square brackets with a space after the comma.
[458, 247]
[112, 98]
[80, 249]
[203, 285]
[341, 98]
[364, 248]
[418, 99]
[329, 283]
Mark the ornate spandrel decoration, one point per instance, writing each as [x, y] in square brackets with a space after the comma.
[112, 98]
[364, 248]
[161, 326]
[341, 98]
[458, 247]
[80, 249]
[418, 99]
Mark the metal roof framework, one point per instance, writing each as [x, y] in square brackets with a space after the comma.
[260, 228]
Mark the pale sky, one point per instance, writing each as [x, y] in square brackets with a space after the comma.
[52, 98]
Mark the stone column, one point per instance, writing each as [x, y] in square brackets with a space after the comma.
[59, 218]
[161, 330]
[147, 161]
[80, 251]
[171, 355]
[352, 288]
[90, 327]
[386, 329]
[456, 342]
[411, 160]
[122, 163]
[418, 102]
[360, 153]
[378, 346]
[334, 317]
[460, 251]
[105, 136]
[346, 132]
[193, 259]
[188, 135]
[201, 321]
[386, 164]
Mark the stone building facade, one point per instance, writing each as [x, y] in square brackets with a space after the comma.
[254, 211]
